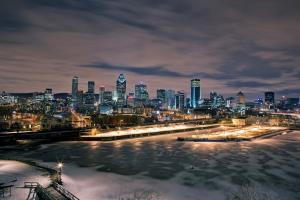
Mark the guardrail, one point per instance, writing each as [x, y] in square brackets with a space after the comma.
[41, 192]
[30, 184]
[64, 192]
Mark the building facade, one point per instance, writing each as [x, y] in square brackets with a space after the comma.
[121, 90]
[195, 93]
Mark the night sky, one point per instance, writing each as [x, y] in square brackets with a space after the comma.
[232, 45]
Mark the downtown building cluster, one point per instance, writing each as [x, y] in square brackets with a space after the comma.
[83, 108]
[123, 100]
[135, 100]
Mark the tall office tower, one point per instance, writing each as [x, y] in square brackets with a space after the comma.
[195, 93]
[80, 99]
[48, 94]
[170, 95]
[179, 100]
[121, 90]
[130, 99]
[91, 87]
[229, 102]
[141, 92]
[74, 90]
[107, 97]
[240, 98]
[101, 91]
[270, 98]
[162, 96]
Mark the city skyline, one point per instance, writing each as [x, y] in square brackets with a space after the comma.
[84, 87]
[230, 46]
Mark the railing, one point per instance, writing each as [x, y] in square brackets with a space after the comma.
[30, 184]
[64, 192]
[41, 192]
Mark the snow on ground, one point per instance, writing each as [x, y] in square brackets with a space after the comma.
[16, 173]
[174, 170]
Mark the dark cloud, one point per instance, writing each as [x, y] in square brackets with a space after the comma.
[288, 91]
[229, 44]
[247, 84]
[140, 70]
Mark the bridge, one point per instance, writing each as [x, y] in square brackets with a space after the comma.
[54, 192]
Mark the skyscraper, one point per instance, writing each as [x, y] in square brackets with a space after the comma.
[91, 87]
[74, 90]
[101, 91]
[121, 90]
[240, 98]
[179, 100]
[130, 99]
[141, 92]
[170, 99]
[161, 95]
[195, 93]
[89, 96]
[269, 98]
[107, 97]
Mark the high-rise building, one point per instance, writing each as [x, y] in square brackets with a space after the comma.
[170, 95]
[216, 100]
[48, 94]
[101, 90]
[107, 97]
[121, 90]
[269, 98]
[80, 99]
[195, 93]
[130, 99]
[240, 98]
[229, 102]
[161, 95]
[179, 100]
[91, 87]
[141, 92]
[74, 90]
[292, 103]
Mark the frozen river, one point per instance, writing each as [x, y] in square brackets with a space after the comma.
[174, 170]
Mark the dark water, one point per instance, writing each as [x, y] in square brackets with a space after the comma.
[272, 164]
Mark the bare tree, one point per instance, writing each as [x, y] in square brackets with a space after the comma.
[139, 195]
[249, 192]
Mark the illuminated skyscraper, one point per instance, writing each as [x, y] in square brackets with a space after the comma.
[121, 90]
[91, 87]
[74, 90]
[240, 98]
[195, 93]
[130, 99]
[161, 95]
[101, 91]
[170, 94]
[107, 97]
[141, 92]
[269, 98]
[179, 100]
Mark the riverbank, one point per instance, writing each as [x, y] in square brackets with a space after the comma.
[146, 132]
[243, 134]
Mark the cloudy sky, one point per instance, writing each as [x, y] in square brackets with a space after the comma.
[231, 45]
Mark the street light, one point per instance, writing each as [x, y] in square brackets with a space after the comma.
[59, 166]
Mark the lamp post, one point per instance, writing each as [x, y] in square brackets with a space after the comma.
[60, 166]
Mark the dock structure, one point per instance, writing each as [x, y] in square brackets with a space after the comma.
[54, 192]
[5, 190]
